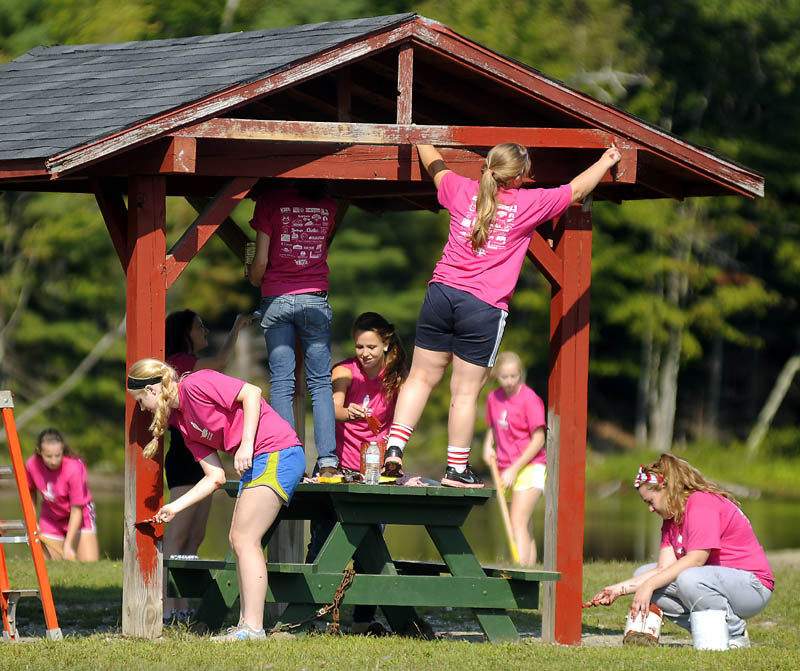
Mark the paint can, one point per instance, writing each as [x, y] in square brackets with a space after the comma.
[709, 629]
[643, 630]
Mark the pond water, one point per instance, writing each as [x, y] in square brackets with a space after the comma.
[617, 527]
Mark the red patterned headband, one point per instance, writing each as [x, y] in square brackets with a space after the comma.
[645, 478]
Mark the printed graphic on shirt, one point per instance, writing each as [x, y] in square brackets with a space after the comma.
[503, 421]
[681, 550]
[302, 233]
[498, 231]
[49, 494]
[205, 434]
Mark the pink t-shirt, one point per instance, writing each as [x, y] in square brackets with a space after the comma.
[513, 421]
[491, 273]
[210, 418]
[60, 489]
[369, 393]
[712, 522]
[182, 362]
[298, 231]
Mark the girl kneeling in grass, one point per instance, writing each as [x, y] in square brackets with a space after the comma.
[215, 412]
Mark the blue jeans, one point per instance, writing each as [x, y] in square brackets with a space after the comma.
[307, 317]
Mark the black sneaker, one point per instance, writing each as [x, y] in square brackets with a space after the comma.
[393, 463]
[452, 478]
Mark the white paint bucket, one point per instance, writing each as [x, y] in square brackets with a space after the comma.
[643, 630]
[709, 629]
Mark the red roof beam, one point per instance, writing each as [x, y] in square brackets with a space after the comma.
[368, 162]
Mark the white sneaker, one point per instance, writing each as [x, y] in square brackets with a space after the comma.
[241, 632]
[742, 641]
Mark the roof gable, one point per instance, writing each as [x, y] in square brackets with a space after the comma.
[56, 98]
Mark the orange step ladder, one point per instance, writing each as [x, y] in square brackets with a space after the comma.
[9, 597]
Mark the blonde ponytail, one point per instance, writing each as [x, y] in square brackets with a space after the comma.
[504, 163]
[152, 369]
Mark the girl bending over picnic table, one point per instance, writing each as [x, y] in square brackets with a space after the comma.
[214, 413]
[464, 312]
[67, 519]
[516, 418]
[711, 572]
[185, 337]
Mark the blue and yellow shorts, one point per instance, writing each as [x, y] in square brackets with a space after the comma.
[280, 471]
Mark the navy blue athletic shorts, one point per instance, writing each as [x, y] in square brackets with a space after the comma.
[452, 320]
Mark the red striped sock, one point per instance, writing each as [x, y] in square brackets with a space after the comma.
[399, 434]
[457, 458]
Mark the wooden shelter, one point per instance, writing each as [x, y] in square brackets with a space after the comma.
[205, 117]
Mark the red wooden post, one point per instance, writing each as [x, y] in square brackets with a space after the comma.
[567, 401]
[146, 286]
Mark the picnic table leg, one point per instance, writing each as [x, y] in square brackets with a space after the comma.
[461, 561]
[334, 557]
[373, 557]
[219, 598]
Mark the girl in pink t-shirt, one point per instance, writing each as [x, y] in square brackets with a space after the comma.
[214, 413]
[364, 395]
[712, 573]
[516, 420]
[67, 519]
[185, 337]
[365, 386]
[464, 313]
[293, 225]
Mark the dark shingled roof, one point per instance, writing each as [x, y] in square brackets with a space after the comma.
[57, 98]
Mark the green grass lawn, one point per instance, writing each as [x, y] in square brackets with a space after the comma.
[89, 604]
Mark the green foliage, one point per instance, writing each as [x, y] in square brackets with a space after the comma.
[724, 74]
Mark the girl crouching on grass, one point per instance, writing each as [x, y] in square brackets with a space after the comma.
[712, 573]
[215, 412]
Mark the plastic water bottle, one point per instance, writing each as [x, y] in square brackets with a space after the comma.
[372, 466]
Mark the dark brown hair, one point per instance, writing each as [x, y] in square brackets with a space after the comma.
[395, 354]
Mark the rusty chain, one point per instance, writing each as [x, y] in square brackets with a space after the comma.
[333, 607]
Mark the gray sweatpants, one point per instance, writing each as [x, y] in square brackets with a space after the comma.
[737, 592]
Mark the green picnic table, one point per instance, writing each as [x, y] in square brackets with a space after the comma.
[396, 585]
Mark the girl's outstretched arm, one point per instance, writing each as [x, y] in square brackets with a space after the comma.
[585, 183]
[433, 162]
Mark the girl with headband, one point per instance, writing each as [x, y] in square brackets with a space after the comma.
[464, 312]
[711, 572]
[214, 413]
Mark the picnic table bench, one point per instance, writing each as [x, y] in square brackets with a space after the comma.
[397, 586]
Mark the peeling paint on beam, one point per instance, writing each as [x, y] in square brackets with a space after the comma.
[369, 133]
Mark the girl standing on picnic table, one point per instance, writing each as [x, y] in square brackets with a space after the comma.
[215, 412]
[185, 337]
[711, 571]
[293, 225]
[67, 518]
[464, 312]
[516, 424]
